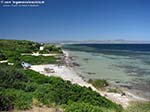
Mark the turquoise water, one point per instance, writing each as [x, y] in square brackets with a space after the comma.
[131, 71]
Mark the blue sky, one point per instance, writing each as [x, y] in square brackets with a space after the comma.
[78, 20]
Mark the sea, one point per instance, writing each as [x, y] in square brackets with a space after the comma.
[124, 65]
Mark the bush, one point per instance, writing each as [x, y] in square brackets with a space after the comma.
[82, 107]
[10, 77]
[51, 49]
[139, 107]
[6, 101]
[23, 100]
[35, 60]
[20, 86]
[2, 57]
[14, 99]
[98, 83]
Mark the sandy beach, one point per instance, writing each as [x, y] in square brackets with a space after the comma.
[68, 73]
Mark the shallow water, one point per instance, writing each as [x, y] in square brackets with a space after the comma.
[131, 71]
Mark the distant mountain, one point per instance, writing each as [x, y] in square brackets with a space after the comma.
[118, 41]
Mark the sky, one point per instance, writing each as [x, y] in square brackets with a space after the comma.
[77, 20]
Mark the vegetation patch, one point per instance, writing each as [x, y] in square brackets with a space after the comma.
[2, 56]
[82, 107]
[12, 47]
[12, 50]
[48, 48]
[21, 89]
[99, 83]
[116, 90]
[34, 60]
[139, 107]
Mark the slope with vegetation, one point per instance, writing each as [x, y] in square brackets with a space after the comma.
[24, 89]
[11, 50]
[20, 88]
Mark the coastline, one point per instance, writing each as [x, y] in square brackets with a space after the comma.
[118, 98]
[67, 72]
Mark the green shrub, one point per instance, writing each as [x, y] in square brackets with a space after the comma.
[82, 107]
[115, 90]
[139, 107]
[18, 46]
[45, 94]
[15, 99]
[2, 57]
[35, 60]
[41, 79]
[30, 87]
[55, 90]
[10, 77]
[98, 83]
[51, 49]
[6, 101]
[23, 100]
[20, 86]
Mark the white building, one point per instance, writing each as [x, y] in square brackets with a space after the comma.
[41, 48]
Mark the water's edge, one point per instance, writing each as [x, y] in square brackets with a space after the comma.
[87, 74]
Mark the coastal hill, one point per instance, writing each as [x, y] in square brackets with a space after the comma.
[23, 89]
